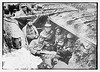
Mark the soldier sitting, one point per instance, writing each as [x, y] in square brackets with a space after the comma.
[48, 33]
[30, 31]
[36, 45]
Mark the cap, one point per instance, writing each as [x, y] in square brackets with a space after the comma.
[30, 20]
[47, 25]
[23, 5]
[68, 49]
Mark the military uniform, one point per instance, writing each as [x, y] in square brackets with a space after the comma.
[35, 46]
[48, 36]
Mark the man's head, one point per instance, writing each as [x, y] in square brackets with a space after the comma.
[30, 23]
[47, 27]
[58, 30]
[69, 35]
[24, 7]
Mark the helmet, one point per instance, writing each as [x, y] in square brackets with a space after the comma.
[69, 35]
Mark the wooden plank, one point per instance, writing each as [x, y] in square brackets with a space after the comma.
[62, 23]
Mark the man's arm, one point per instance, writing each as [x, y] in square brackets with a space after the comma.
[31, 47]
[31, 36]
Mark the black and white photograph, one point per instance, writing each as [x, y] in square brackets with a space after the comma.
[49, 35]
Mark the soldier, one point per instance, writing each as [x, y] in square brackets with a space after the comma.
[30, 31]
[36, 45]
[70, 42]
[59, 35]
[23, 12]
[11, 27]
[59, 39]
[48, 33]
